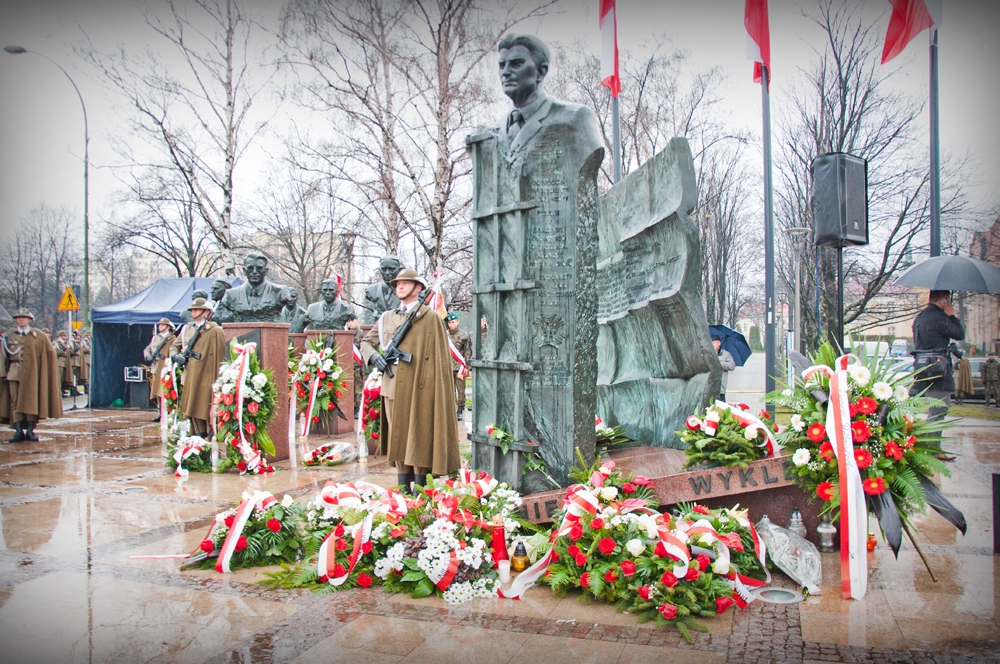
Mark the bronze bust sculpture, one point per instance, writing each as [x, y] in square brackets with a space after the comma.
[330, 313]
[381, 296]
[258, 299]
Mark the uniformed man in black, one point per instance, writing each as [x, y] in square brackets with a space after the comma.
[933, 330]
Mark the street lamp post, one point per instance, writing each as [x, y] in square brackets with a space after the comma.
[796, 234]
[20, 50]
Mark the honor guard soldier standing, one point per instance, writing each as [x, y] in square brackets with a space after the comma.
[156, 354]
[32, 372]
[84, 362]
[462, 343]
[420, 432]
[64, 351]
[200, 358]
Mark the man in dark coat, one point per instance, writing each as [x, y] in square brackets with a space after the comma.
[32, 378]
[420, 432]
[933, 330]
[201, 372]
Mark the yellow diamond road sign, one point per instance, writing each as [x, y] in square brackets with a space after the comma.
[68, 301]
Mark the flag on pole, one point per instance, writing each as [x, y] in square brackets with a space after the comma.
[758, 37]
[340, 280]
[609, 48]
[436, 301]
[909, 18]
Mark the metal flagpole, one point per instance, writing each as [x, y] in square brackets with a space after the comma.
[935, 149]
[769, 335]
[616, 134]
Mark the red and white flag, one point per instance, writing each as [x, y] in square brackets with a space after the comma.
[758, 37]
[609, 48]
[436, 301]
[909, 18]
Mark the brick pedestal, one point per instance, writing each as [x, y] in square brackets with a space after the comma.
[272, 350]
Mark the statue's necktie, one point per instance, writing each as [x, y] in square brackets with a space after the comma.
[515, 124]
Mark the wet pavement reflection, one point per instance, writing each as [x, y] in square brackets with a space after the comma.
[93, 492]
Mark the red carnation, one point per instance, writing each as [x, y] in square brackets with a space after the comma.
[628, 488]
[173, 394]
[692, 574]
[250, 428]
[893, 451]
[668, 610]
[364, 580]
[576, 532]
[660, 550]
[242, 466]
[339, 530]
[703, 561]
[627, 567]
[580, 559]
[645, 592]
[274, 525]
[743, 406]
[307, 378]
[585, 580]
[867, 406]
[816, 432]
[241, 543]
[229, 521]
[668, 579]
[374, 435]
[252, 407]
[597, 524]
[329, 405]
[610, 576]
[607, 546]
[341, 545]
[207, 546]
[323, 578]
[723, 603]
[573, 550]
[825, 490]
[860, 431]
[873, 486]
[321, 375]
[339, 570]
[366, 547]
[483, 474]
[315, 419]
[329, 385]
[234, 442]
[700, 509]
[338, 394]
[763, 414]
[863, 458]
[302, 394]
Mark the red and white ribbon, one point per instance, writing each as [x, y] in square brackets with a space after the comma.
[481, 485]
[357, 355]
[709, 426]
[307, 420]
[251, 456]
[260, 499]
[187, 447]
[447, 575]
[457, 356]
[746, 418]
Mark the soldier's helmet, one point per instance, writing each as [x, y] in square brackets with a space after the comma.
[24, 313]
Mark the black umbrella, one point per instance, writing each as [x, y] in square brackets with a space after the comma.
[952, 273]
[732, 341]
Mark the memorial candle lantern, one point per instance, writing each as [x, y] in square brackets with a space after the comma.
[499, 543]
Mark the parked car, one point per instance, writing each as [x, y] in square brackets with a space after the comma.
[899, 348]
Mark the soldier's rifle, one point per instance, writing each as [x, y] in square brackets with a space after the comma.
[392, 354]
[157, 354]
[189, 351]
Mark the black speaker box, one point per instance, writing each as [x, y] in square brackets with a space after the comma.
[840, 200]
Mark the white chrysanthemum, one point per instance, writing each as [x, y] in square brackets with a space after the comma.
[801, 457]
[901, 393]
[797, 423]
[635, 547]
[259, 381]
[860, 374]
[882, 390]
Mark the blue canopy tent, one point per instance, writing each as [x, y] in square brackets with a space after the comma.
[122, 330]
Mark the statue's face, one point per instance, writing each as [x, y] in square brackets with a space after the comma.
[218, 290]
[329, 291]
[255, 270]
[293, 295]
[519, 76]
[389, 270]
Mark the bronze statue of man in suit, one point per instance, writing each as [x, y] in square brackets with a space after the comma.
[330, 313]
[258, 299]
[381, 296]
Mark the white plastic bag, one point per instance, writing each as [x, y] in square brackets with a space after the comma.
[794, 555]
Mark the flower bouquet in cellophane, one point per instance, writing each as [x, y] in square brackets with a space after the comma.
[243, 406]
[728, 435]
[317, 383]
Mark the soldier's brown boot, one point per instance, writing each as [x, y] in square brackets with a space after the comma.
[30, 433]
[18, 433]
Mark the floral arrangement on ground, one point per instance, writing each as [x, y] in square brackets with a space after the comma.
[244, 398]
[893, 448]
[316, 380]
[728, 435]
[170, 384]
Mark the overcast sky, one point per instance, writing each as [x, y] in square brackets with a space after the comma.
[41, 133]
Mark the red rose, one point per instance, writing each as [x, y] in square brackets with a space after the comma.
[329, 385]
[321, 375]
[826, 451]
[627, 567]
[641, 480]
[173, 394]
[581, 559]
[873, 486]
[229, 520]
[483, 474]
[692, 574]
[364, 580]
[573, 550]
[860, 431]
[597, 524]
[700, 509]
[329, 405]
[241, 466]
[315, 419]
[893, 451]
[338, 394]
[274, 525]
[302, 394]
[723, 603]
[341, 545]
[339, 530]
[628, 488]
[585, 580]
[660, 550]
[645, 592]
[307, 378]
[234, 442]
[576, 532]
[816, 432]
[825, 490]
[668, 579]
[241, 543]
[250, 428]
[339, 570]
[374, 435]
[207, 546]
[703, 561]
[366, 547]
[610, 576]
[607, 546]
[863, 458]
[372, 413]
[668, 610]
[867, 406]
[252, 407]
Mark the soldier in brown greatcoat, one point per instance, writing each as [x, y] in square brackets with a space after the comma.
[200, 373]
[85, 363]
[32, 378]
[463, 344]
[64, 353]
[420, 432]
[156, 354]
